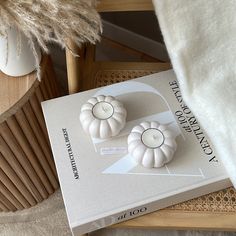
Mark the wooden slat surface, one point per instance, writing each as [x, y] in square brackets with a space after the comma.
[27, 171]
[13, 89]
[124, 5]
[179, 220]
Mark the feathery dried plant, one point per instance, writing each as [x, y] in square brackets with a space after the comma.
[44, 21]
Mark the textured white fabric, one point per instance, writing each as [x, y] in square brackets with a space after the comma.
[46, 219]
[201, 40]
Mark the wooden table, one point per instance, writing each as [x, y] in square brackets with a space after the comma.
[27, 171]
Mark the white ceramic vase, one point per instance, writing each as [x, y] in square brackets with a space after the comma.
[17, 57]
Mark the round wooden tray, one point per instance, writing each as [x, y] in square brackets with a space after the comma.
[27, 171]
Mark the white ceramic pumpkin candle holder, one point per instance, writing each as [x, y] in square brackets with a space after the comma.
[151, 144]
[103, 117]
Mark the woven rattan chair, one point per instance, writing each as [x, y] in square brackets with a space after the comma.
[215, 211]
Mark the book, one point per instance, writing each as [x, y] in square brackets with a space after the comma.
[101, 184]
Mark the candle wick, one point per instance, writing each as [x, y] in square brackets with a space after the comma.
[104, 109]
[154, 137]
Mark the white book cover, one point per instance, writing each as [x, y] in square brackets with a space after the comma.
[101, 184]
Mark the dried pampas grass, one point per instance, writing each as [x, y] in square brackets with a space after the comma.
[44, 21]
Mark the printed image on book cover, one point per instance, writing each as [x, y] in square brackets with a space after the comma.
[154, 107]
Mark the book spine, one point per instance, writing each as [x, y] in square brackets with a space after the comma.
[149, 207]
[114, 219]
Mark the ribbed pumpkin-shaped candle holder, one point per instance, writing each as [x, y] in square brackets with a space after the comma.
[103, 117]
[151, 144]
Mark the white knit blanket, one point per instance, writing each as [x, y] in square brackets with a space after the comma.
[201, 40]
